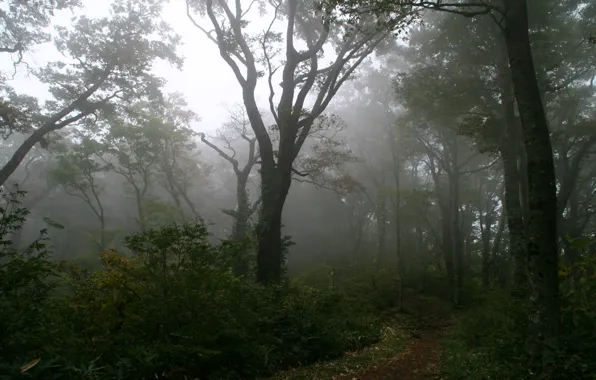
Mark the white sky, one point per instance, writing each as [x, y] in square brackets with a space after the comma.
[206, 80]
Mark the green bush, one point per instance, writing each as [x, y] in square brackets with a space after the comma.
[380, 287]
[172, 309]
[488, 342]
[25, 288]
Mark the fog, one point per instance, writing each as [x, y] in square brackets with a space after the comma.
[406, 141]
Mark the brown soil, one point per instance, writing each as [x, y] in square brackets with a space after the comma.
[420, 358]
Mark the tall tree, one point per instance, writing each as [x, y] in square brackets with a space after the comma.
[76, 171]
[303, 73]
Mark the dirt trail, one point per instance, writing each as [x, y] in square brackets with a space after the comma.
[420, 358]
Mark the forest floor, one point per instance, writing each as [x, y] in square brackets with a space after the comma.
[409, 350]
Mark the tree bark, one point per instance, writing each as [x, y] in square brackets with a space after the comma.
[275, 184]
[240, 227]
[485, 223]
[513, 199]
[542, 202]
[457, 238]
[381, 216]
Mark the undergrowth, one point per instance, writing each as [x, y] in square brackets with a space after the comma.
[172, 310]
[488, 340]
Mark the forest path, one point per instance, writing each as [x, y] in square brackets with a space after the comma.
[420, 359]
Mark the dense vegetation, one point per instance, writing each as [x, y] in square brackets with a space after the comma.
[377, 153]
[173, 309]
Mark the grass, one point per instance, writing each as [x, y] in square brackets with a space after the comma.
[393, 340]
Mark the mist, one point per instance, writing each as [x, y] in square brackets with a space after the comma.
[277, 189]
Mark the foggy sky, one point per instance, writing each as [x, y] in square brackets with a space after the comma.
[206, 81]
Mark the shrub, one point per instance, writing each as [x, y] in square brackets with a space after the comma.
[488, 342]
[351, 283]
[25, 288]
[175, 309]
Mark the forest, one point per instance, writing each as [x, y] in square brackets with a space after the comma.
[298, 189]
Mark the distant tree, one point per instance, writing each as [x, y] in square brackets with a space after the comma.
[76, 171]
[180, 165]
[235, 129]
[133, 151]
[109, 63]
[151, 144]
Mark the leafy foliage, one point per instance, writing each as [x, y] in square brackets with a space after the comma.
[488, 342]
[25, 286]
[172, 309]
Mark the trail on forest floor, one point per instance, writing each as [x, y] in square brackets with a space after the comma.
[420, 359]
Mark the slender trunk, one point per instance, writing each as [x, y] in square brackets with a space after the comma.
[358, 242]
[140, 210]
[419, 256]
[542, 201]
[398, 250]
[447, 245]
[381, 225]
[496, 249]
[572, 230]
[190, 204]
[458, 267]
[485, 234]
[173, 190]
[241, 223]
[102, 231]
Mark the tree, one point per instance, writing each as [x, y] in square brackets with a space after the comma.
[77, 171]
[320, 163]
[110, 62]
[249, 57]
[179, 163]
[134, 152]
[238, 128]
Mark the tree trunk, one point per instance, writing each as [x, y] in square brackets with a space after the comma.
[381, 224]
[457, 238]
[447, 245]
[102, 231]
[485, 222]
[515, 220]
[275, 184]
[398, 250]
[513, 200]
[241, 223]
[140, 210]
[542, 202]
